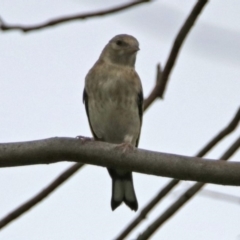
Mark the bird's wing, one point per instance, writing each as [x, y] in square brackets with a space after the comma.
[140, 112]
[85, 101]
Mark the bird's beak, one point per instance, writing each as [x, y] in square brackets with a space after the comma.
[135, 49]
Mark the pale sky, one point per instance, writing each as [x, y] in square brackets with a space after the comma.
[41, 82]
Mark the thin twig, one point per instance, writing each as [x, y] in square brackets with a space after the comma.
[208, 193]
[163, 192]
[220, 196]
[152, 96]
[40, 196]
[230, 128]
[183, 198]
[159, 89]
[6, 27]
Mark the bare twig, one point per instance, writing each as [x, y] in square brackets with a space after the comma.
[159, 89]
[163, 192]
[183, 198]
[208, 193]
[152, 96]
[220, 196]
[6, 27]
[40, 196]
[230, 128]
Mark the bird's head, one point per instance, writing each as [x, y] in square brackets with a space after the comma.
[121, 49]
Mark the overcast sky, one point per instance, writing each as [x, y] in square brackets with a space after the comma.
[41, 82]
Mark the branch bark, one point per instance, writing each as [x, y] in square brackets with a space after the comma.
[7, 27]
[103, 154]
[163, 192]
[185, 197]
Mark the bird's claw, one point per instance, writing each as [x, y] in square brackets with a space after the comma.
[125, 147]
[84, 139]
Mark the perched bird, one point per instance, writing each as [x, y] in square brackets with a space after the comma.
[113, 100]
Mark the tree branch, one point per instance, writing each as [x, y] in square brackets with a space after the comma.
[228, 129]
[54, 150]
[159, 89]
[40, 196]
[6, 27]
[183, 198]
[163, 192]
[220, 196]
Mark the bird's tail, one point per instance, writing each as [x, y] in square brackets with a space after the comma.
[123, 190]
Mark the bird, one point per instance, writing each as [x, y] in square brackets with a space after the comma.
[113, 99]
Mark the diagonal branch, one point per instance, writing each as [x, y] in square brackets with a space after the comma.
[183, 198]
[220, 196]
[6, 27]
[163, 192]
[40, 196]
[230, 128]
[159, 89]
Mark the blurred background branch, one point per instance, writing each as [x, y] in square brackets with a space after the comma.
[7, 27]
[220, 196]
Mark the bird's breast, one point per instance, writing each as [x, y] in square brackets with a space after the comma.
[114, 112]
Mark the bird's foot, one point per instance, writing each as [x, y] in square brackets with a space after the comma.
[125, 147]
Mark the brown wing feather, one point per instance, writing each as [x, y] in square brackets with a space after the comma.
[85, 101]
[140, 111]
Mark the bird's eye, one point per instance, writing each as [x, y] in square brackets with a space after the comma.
[119, 42]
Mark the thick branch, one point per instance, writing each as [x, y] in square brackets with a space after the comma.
[6, 27]
[40, 196]
[163, 192]
[185, 197]
[107, 155]
[159, 89]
